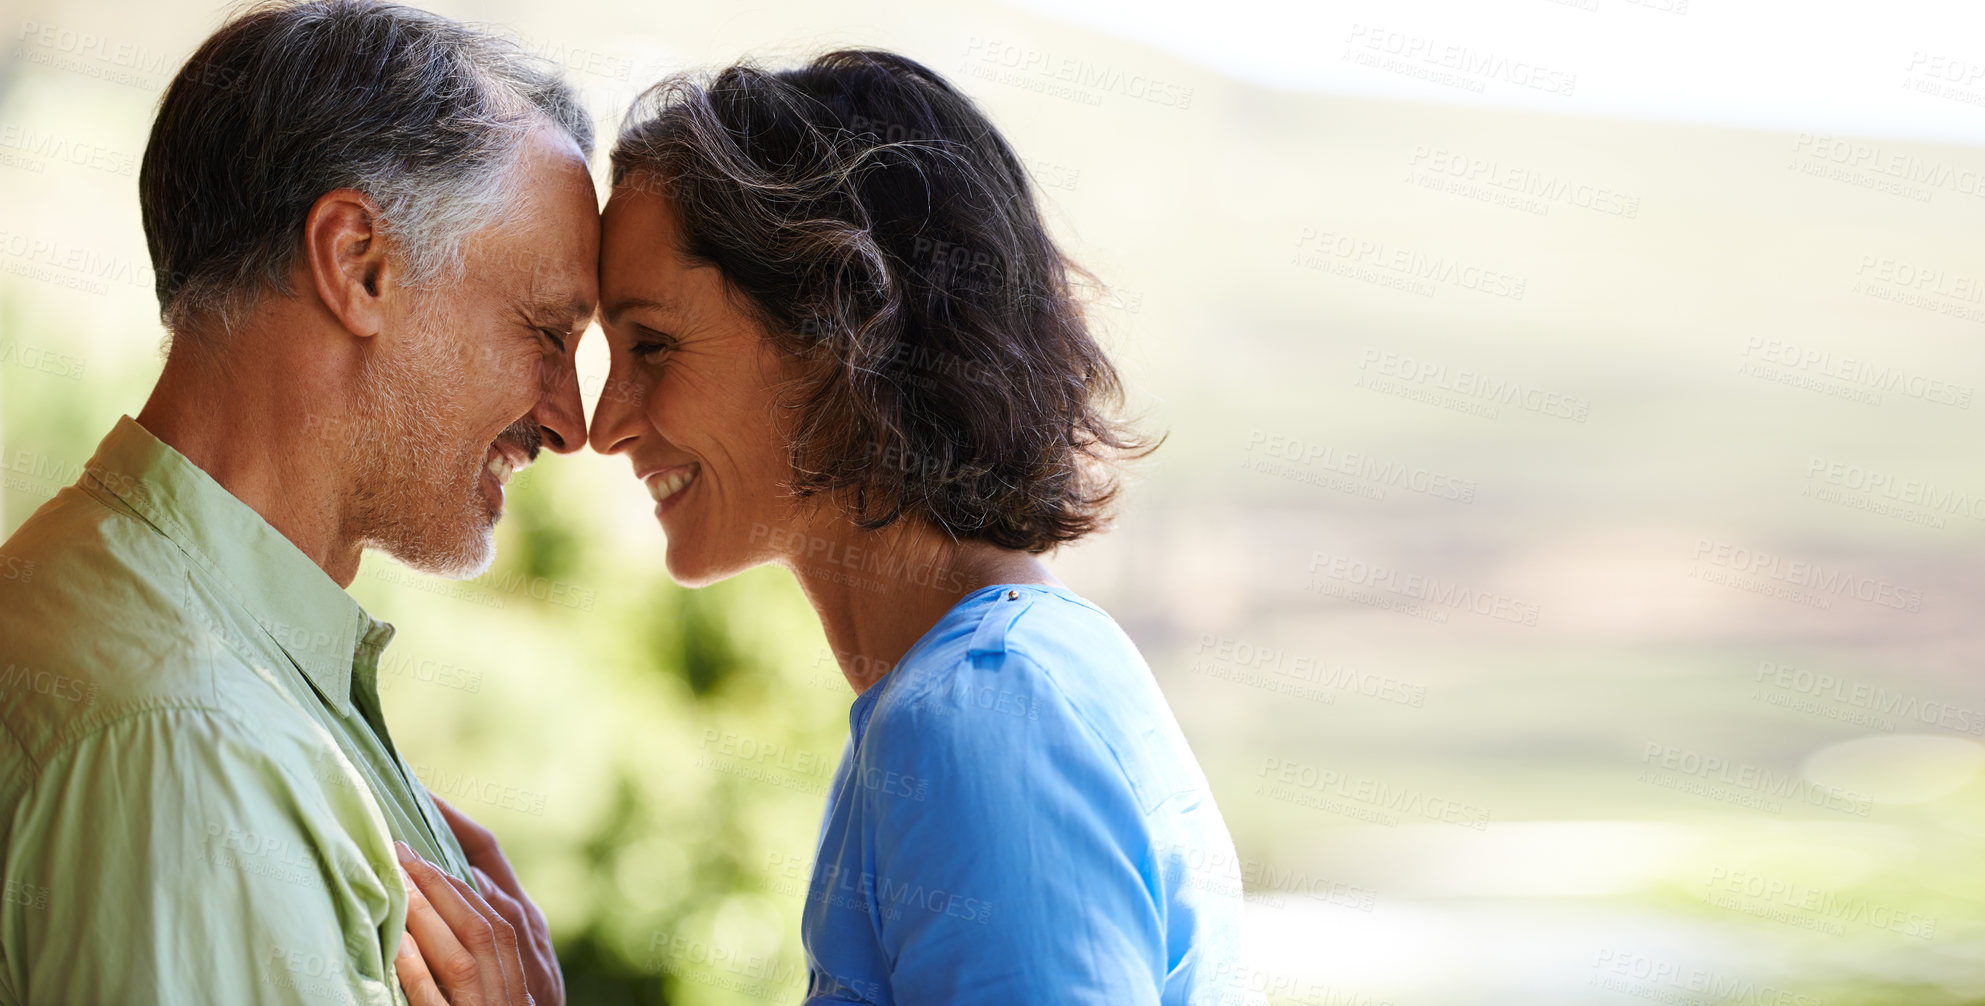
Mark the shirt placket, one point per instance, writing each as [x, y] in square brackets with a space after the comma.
[365, 699]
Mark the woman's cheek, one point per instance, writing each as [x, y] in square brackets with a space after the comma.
[658, 403]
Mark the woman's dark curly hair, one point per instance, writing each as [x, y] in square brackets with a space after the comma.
[887, 238]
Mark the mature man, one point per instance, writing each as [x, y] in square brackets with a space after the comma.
[375, 237]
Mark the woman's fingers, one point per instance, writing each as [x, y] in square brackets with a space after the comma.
[499, 899]
[507, 956]
[458, 943]
[479, 845]
[541, 973]
[415, 979]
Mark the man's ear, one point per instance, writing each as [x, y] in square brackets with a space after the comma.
[346, 259]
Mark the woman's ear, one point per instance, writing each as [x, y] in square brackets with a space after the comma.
[346, 259]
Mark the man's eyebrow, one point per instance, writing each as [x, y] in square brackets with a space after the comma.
[625, 304]
[552, 309]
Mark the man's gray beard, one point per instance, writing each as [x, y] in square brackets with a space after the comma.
[412, 498]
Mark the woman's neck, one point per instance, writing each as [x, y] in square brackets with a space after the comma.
[878, 592]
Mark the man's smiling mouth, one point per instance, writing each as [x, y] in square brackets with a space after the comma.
[513, 451]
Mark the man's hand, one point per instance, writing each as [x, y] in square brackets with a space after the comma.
[500, 886]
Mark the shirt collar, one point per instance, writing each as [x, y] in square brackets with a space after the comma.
[301, 608]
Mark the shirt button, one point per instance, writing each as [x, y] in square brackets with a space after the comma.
[1013, 595]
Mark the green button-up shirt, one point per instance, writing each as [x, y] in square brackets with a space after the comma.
[198, 795]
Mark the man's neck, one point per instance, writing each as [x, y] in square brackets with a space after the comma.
[267, 436]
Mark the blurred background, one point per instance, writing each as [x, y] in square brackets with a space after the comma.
[1559, 561]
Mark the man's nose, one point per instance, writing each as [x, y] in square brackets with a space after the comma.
[559, 414]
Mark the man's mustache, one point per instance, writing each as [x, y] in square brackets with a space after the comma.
[525, 434]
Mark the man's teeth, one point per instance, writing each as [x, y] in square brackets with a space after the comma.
[499, 467]
[664, 486]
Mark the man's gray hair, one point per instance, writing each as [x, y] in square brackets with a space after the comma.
[290, 100]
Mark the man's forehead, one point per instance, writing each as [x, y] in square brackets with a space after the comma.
[550, 265]
[557, 232]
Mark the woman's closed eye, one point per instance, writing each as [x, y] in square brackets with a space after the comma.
[650, 346]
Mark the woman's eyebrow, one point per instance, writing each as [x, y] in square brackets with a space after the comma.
[625, 304]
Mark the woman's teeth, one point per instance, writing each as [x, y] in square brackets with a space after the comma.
[498, 466]
[662, 485]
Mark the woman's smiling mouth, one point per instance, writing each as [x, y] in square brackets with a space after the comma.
[669, 481]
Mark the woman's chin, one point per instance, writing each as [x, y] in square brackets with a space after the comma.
[689, 567]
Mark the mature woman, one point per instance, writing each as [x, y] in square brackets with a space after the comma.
[843, 342]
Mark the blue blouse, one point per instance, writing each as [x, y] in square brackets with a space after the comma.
[1018, 820]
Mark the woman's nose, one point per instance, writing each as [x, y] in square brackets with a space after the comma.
[617, 415]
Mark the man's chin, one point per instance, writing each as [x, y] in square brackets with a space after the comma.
[464, 558]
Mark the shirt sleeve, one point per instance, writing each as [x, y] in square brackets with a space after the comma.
[1011, 859]
[168, 857]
